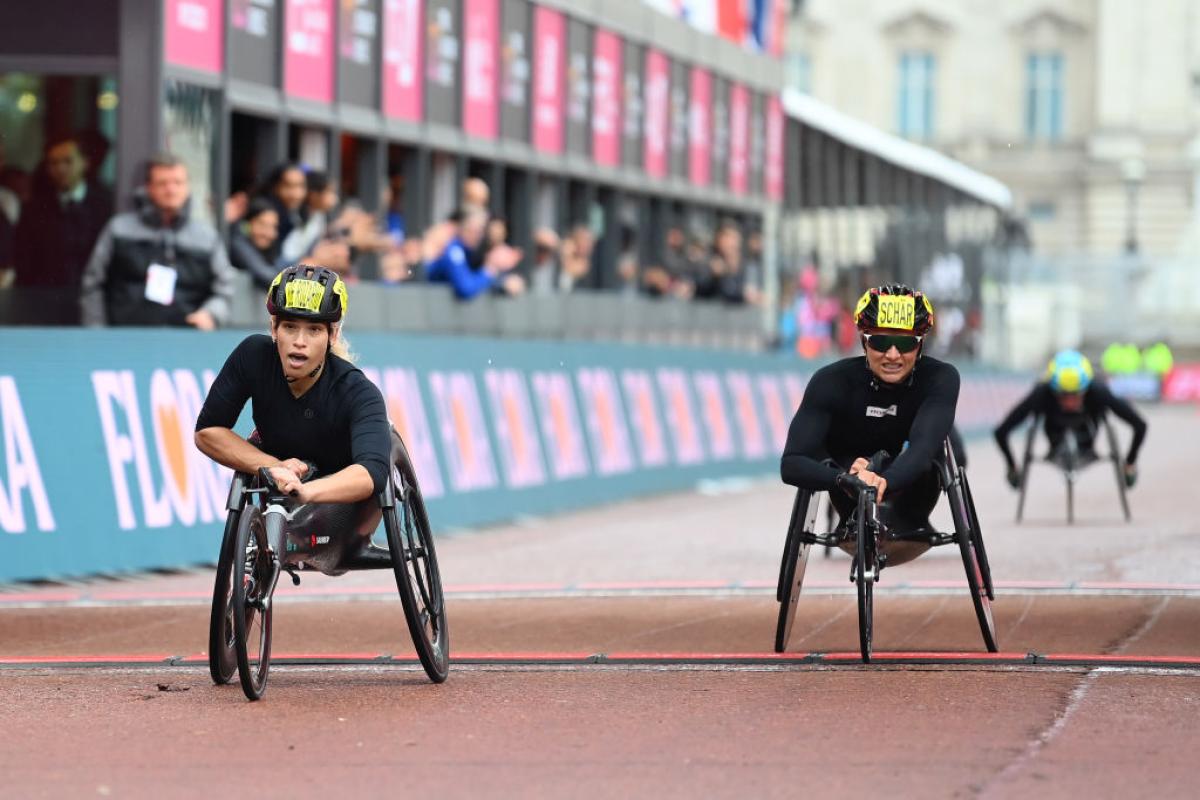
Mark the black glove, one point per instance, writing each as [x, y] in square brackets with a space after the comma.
[1014, 477]
[1131, 474]
[850, 484]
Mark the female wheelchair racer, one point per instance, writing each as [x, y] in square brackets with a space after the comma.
[312, 484]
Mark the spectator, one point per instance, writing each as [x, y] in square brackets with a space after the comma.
[320, 198]
[10, 201]
[286, 188]
[394, 214]
[627, 263]
[6, 252]
[475, 192]
[670, 277]
[723, 278]
[576, 257]
[543, 271]
[156, 265]
[252, 242]
[62, 221]
[453, 267]
[497, 232]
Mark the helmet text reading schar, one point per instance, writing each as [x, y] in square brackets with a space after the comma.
[894, 306]
[305, 292]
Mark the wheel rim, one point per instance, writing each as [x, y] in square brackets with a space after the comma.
[421, 568]
[253, 626]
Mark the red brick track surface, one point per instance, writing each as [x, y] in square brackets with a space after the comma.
[627, 651]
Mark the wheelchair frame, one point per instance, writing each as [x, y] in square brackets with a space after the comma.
[869, 533]
[249, 567]
[1072, 468]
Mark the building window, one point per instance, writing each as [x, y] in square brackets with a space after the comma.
[1044, 97]
[798, 73]
[915, 100]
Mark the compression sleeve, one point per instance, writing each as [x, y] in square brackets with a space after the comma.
[1127, 412]
[929, 430]
[370, 433]
[801, 465]
[1015, 417]
[231, 389]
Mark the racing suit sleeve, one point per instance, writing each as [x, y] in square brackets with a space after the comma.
[370, 432]
[802, 462]
[231, 389]
[1015, 417]
[95, 274]
[1123, 409]
[929, 430]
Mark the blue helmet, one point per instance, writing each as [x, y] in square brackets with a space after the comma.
[1069, 372]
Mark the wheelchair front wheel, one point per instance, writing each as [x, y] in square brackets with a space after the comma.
[414, 562]
[865, 568]
[252, 608]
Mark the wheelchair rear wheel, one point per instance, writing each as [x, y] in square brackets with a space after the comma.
[967, 534]
[252, 608]
[795, 560]
[1114, 451]
[865, 569]
[414, 562]
[977, 537]
[222, 660]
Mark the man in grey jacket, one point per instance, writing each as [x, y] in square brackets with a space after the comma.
[156, 265]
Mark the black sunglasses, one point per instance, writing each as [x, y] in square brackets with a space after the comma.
[882, 342]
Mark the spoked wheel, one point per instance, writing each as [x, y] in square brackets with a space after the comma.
[414, 561]
[1115, 454]
[222, 660]
[795, 560]
[1026, 460]
[252, 609]
[967, 534]
[977, 536]
[865, 566]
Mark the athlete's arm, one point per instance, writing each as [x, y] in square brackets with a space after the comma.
[1127, 412]
[1015, 417]
[929, 430]
[801, 464]
[348, 485]
[214, 425]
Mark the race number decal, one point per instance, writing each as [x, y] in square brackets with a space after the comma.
[303, 293]
[897, 312]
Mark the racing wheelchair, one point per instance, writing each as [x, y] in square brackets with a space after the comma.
[262, 540]
[1071, 459]
[874, 546]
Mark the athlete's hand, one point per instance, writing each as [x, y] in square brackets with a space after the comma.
[297, 466]
[1130, 474]
[859, 470]
[285, 479]
[1014, 478]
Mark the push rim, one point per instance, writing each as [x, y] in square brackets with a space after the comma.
[251, 608]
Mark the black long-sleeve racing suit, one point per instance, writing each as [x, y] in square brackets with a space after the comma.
[848, 413]
[1097, 400]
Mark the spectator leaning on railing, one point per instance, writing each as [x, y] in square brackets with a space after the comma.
[252, 242]
[157, 265]
[453, 265]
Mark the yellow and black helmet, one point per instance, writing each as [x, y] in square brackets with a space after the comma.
[894, 306]
[306, 292]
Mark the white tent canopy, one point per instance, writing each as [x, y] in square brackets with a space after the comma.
[899, 152]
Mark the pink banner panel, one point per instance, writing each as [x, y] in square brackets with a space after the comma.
[194, 34]
[406, 411]
[308, 49]
[739, 138]
[658, 88]
[549, 47]
[753, 442]
[516, 428]
[606, 99]
[463, 433]
[605, 418]
[647, 429]
[561, 429]
[681, 416]
[481, 54]
[403, 88]
[700, 127]
[773, 174]
[778, 418]
[715, 415]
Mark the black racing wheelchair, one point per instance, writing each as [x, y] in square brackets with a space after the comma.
[873, 546]
[266, 535]
[1071, 459]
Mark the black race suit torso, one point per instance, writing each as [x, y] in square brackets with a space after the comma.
[847, 413]
[341, 420]
[1096, 401]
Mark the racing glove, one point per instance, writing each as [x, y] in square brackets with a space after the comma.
[1131, 473]
[1014, 477]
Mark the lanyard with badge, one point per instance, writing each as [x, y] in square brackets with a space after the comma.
[160, 278]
